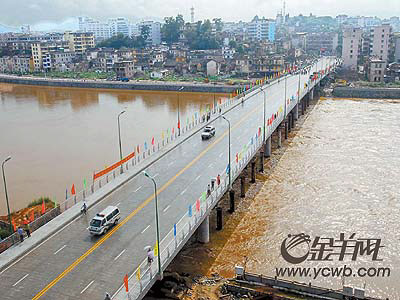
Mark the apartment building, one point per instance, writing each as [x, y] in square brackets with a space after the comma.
[119, 25]
[376, 69]
[154, 32]
[79, 42]
[322, 42]
[261, 29]
[352, 45]
[41, 53]
[380, 41]
[100, 30]
[15, 64]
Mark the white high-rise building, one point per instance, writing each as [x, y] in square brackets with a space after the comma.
[351, 49]
[261, 29]
[119, 25]
[380, 38]
[155, 31]
[101, 31]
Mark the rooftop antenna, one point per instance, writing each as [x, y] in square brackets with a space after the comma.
[284, 11]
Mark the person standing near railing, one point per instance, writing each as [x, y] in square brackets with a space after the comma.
[21, 234]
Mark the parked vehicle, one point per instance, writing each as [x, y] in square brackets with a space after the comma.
[125, 79]
[208, 132]
[104, 220]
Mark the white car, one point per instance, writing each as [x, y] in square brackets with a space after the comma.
[104, 220]
[208, 132]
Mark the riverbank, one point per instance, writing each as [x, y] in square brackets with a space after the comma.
[134, 85]
[366, 92]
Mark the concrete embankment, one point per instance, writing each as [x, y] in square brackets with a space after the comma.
[366, 93]
[132, 85]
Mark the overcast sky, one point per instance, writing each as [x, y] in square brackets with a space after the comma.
[17, 12]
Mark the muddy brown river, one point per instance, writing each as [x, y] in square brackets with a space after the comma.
[58, 136]
[339, 174]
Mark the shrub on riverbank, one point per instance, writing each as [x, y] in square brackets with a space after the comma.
[40, 201]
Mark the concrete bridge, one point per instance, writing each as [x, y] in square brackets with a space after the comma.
[67, 263]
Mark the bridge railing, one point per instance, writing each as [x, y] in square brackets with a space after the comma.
[143, 276]
[141, 279]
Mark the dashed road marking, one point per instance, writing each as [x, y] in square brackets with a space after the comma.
[197, 178]
[122, 252]
[138, 188]
[60, 249]
[148, 226]
[183, 191]
[87, 287]
[15, 284]
[222, 153]
[165, 209]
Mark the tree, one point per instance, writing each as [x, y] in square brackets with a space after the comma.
[172, 29]
[232, 44]
[218, 24]
[117, 41]
[201, 36]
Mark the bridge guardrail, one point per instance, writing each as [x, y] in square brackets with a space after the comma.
[140, 280]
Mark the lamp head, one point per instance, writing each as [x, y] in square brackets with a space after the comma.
[7, 159]
[146, 174]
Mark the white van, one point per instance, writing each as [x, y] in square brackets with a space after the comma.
[104, 220]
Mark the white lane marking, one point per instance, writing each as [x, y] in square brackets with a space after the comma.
[148, 226]
[118, 204]
[122, 252]
[184, 153]
[210, 165]
[165, 209]
[138, 188]
[87, 287]
[20, 280]
[60, 249]
[222, 153]
[155, 175]
[197, 178]
[170, 164]
[183, 191]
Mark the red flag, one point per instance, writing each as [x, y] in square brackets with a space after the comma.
[152, 141]
[237, 157]
[13, 224]
[197, 205]
[179, 126]
[73, 189]
[138, 149]
[173, 129]
[126, 282]
[32, 216]
[44, 206]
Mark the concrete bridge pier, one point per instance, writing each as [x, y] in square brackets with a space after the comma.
[219, 218]
[232, 201]
[289, 121]
[242, 186]
[292, 119]
[253, 172]
[286, 129]
[296, 112]
[262, 161]
[203, 232]
[302, 106]
[311, 96]
[267, 150]
[279, 132]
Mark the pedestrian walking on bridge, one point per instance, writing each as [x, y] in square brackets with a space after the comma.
[21, 234]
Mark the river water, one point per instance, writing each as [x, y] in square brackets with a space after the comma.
[339, 174]
[58, 136]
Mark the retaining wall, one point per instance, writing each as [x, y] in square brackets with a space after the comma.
[132, 85]
[369, 93]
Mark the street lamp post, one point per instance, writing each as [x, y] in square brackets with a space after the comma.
[264, 113]
[160, 272]
[179, 121]
[119, 135]
[5, 190]
[229, 152]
